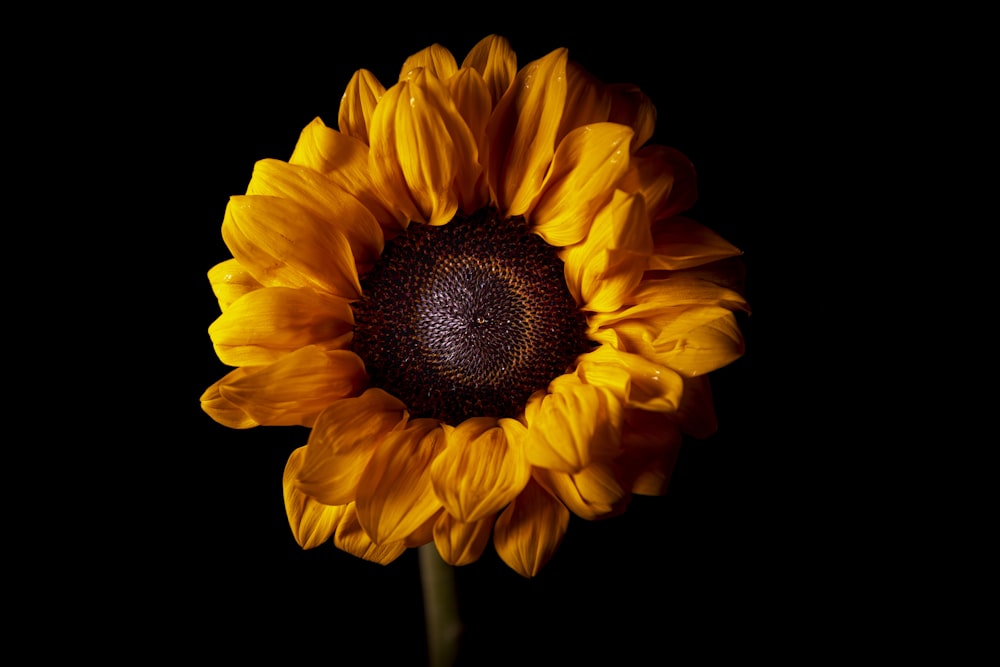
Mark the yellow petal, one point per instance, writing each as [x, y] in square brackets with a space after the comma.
[394, 494]
[358, 104]
[281, 244]
[680, 243]
[297, 387]
[461, 542]
[523, 132]
[435, 59]
[651, 443]
[570, 424]
[344, 160]
[312, 523]
[222, 410]
[530, 530]
[586, 100]
[665, 178]
[635, 381]
[265, 325]
[482, 469]
[325, 200]
[593, 493]
[603, 270]
[630, 106]
[585, 168]
[343, 441]
[420, 146]
[230, 281]
[493, 58]
[350, 537]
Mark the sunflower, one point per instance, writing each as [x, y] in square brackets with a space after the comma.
[481, 298]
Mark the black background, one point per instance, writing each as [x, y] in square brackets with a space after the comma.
[208, 564]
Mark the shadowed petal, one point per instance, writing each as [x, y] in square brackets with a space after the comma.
[343, 441]
[530, 530]
[461, 542]
[394, 494]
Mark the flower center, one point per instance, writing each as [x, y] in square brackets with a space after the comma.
[467, 319]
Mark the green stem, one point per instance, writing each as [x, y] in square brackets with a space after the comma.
[440, 607]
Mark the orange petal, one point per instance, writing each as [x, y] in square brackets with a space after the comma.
[461, 542]
[265, 325]
[523, 132]
[343, 441]
[295, 389]
[482, 469]
[282, 244]
[344, 160]
[593, 493]
[420, 147]
[312, 523]
[570, 424]
[493, 58]
[585, 168]
[530, 530]
[394, 495]
[602, 271]
[636, 381]
[222, 410]
[358, 104]
[351, 538]
[230, 280]
[435, 59]
[324, 199]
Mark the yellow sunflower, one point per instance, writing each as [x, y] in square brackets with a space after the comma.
[480, 297]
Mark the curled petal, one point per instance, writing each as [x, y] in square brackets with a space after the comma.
[312, 523]
[435, 59]
[282, 244]
[630, 106]
[324, 199]
[264, 325]
[585, 168]
[593, 493]
[351, 537]
[635, 381]
[680, 243]
[571, 424]
[493, 58]
[343, 441]
[606, 267]
[530, 530]
[665, 178]
[344, 160]
[395, 496]
[523, 132]
[222, 410]
[230, 280]
[482, 468]
[358, 105]
[420, 148]
[651, 443]
[461, 542]
[295, 389]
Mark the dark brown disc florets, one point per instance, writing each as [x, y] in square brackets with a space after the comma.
[467, 319]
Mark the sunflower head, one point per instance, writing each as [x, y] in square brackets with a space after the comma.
[480, 295]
